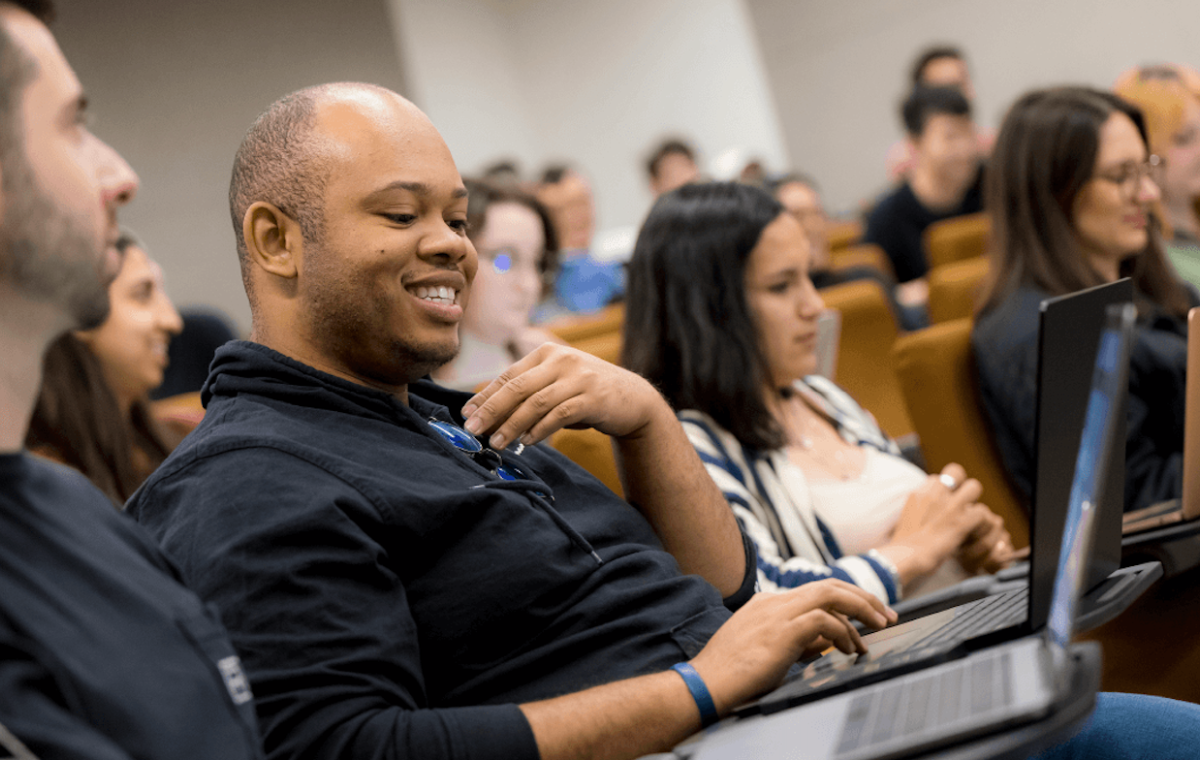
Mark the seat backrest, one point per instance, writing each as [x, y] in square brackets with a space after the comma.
[844, 233]
[862, 255]
[577, 328]
[937, 372]
[953, 288]
[962, 237]
[591, 450]
[606, 345]
[864, 365]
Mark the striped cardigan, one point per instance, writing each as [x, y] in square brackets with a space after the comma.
[770, 497]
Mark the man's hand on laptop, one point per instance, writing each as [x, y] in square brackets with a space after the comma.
[558, 386]
[752, 651]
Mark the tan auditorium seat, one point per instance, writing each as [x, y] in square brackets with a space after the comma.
[864, 362]
[937, 372]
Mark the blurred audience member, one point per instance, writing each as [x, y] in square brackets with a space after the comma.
[92, 411]
[517, 247]
[671, 165]
[505, 172]
[191, 351]
[938, 66]
[754, 173]
[945, 182]
[583, 283]
[1172, 112]
[943, 66]
[798, 194]
[1071, 191]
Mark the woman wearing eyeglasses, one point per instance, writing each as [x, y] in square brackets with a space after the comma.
[1072, 194]
[721, 316]
[1170, 101]
[517, 247]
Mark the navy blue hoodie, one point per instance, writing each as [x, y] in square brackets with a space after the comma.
[391, 597]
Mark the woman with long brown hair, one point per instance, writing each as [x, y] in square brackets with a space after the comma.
[93, 412]
[721, 318]
[1071, 194]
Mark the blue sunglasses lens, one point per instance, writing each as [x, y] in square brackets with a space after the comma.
[464, 441]
[457, 436]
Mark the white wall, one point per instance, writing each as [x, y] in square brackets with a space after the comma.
[809, 85]
[590, 82]
[463, 71]
[174, 86]
[838, 69]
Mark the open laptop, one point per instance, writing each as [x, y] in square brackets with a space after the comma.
[1188, 506]
[988, 685]
[1068, 328]
[1017, 605]
[1067, 349]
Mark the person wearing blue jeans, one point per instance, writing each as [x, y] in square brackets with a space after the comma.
[1132, 727]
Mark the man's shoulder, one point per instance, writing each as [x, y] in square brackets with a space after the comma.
[243, 454]
[45, 491]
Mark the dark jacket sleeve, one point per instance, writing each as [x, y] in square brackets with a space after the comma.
[1006, 361]
[1154, 416]
[36, 712]
[315, 605]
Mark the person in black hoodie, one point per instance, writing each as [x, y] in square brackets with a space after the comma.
[104, 654]
[404, 571]
[396, 584]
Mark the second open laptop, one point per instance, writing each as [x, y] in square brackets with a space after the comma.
[1188, 506]
[984, 686]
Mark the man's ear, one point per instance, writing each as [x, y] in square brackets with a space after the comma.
[273, 239]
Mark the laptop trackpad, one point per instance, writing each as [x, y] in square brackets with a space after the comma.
[895, 639]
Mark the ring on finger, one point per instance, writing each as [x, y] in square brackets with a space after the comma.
[948, 481]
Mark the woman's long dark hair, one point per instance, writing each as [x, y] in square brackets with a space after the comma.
[1044, 155]
[688, 327]
[77, 421]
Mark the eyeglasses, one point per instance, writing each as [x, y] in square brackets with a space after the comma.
[486, 457]
[1128, 177]
[505, 261]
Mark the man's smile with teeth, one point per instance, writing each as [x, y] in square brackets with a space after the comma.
[437, 295]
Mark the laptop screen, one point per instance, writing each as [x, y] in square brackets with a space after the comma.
[1109, 375]
[1068, 341]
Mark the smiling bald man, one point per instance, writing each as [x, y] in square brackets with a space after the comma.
[396, 584]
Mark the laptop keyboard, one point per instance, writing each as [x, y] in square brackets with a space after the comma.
[989, 614]
[926, 705]
[821, 678]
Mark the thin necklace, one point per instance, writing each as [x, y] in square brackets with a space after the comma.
[833, 459]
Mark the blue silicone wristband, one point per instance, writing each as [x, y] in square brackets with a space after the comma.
[696, 685]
